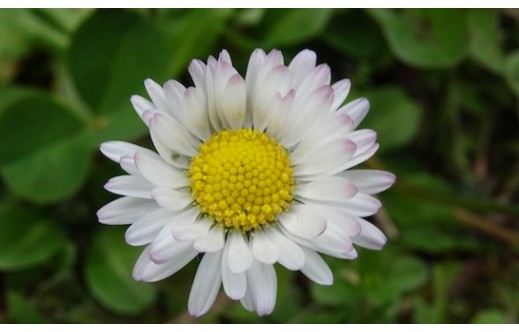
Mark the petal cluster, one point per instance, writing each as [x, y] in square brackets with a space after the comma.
[298, 107]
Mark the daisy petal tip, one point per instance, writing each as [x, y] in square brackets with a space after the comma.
[101, 216]
[109, 185]
[149, 83]
[349, 147]
[307, 53]
[391, 178]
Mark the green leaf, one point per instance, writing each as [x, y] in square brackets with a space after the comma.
[31, 124]
[195, 35]
[26, 239]
[340, 293]
[48, 175]
[394, 116]
[406, 274]
[66, 19]
[20, 27]
[512, 71]
[112, 53]
[354, 34]
[437, 311]
[294, 26]
[491, 316]
[43, 155]
[108, 273]
[393, 280]
[485, 38]
[11, 94]
[22, 311]
[427, 38]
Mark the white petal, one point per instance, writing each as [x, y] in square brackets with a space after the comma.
[338, 220]
[129, 185]
[291, 255]
[318, 77]
[240, 257]
[191, 231]
[341, 89]
[174, 249]
[316, 269]
[279, 114]
[335, 126]
[213, 241]
[224, 72]
[211, 94]
[128, 165]
[196, 119]
[334, 244]
[308, 112]
[327, 189]
[174, 94]
[125, 210]
[356, 109]
[161, 249]
[141, 263]
[361, 157]
[158, 172]
[370, 181]
[302, 64]
[363, 139]
[370, 236]
[234, 103]
[361, 205]
[197, 70]
[206, 285]
[247, 302]
[171, 134]
[262, 249]
[157, 95]
[276, 81]
[146, 270]
[330, 159]
[146, 228]
[256, 61]
[262, 282]
[353, 254]
[305, 225]
[234, 284]
[172, 157]
[115, 150]
[141, 105]
[224, 56]
[171, 199]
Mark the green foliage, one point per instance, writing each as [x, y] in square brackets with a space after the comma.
[391, 109]
[443, 85]
[26, 239]
[50, 160]
[290, 27]
[21, 310]
[108, 273]
[102, 77]
[428, 38]
[486, 40]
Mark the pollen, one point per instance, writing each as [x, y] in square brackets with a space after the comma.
[242, 179]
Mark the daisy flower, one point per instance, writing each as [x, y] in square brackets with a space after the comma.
[248, 172]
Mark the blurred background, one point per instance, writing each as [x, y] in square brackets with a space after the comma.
[444, 88]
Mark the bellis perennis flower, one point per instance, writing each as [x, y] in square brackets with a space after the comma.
[249, 172]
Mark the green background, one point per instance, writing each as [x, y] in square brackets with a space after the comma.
[444, 88]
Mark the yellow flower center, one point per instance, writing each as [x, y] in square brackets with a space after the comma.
[242, 179]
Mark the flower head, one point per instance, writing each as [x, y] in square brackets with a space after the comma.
[249, 172]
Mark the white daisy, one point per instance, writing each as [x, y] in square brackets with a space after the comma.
[249, 172]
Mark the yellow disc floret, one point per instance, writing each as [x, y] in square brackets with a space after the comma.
[242, 179]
